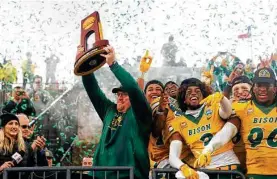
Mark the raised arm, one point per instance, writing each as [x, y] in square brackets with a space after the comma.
[225, 109]
[99, 100]
[138, 101]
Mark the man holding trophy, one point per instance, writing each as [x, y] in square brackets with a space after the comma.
[126, 124]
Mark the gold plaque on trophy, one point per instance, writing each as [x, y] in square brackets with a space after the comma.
[88, 58]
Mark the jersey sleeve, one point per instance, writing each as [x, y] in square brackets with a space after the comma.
[155, 105]
[172, 127]
[239, 109]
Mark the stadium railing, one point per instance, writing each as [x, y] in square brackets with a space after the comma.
[161, 173]
[73, 172]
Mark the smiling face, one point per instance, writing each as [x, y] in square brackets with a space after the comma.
[153, 91]
[24, 125]
[193, 97]
[264, 93]
[171, 89]
[11, 129]
[241, 91]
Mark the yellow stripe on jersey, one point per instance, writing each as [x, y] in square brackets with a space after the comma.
[197, 132]
[259, 134]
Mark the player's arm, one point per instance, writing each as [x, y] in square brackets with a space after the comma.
[175, 150]
[160, 115]
[159, 119]
[221, 138]
[229, 130]
[225, 109]
[140, 82]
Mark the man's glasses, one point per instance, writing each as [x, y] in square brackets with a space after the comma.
[25, 127]
[123, 94]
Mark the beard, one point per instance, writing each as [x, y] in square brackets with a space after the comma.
[193, 107]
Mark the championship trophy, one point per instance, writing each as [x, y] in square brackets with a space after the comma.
[88, 59]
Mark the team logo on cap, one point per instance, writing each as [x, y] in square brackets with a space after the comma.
[264, 73]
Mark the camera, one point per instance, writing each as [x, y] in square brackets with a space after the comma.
[20, 93]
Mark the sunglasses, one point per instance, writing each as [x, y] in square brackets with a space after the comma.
[25, 127]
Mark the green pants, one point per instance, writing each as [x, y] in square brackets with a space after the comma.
[261, 176]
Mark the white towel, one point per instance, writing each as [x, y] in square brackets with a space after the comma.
[202, 175]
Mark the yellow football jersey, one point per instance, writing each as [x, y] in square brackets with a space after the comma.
[259, 134]
[239, 147]
[158, 147]
[197, 132]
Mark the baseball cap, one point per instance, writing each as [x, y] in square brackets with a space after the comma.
[264, 75]
[116, 90]
[241, 79]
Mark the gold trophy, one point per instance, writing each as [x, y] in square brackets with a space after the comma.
[88, 59]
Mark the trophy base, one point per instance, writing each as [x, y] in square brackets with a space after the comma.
[90, 61]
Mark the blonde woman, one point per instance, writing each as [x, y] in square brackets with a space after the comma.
[11, 141]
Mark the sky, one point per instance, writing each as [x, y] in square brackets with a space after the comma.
[200, 28]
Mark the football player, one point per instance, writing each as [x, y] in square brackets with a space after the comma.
[200, 118]
[256, 120]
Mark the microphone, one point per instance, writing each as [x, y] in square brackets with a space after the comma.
[17, 157]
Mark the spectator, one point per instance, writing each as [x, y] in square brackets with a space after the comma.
[87, 162]
[49, 157]
[20, 103]
[11, 141]
[37, 146]
[28, 69]
[169, 51]
[51, 65]
[127, 124]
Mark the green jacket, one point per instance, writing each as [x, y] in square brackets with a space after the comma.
[127, 144]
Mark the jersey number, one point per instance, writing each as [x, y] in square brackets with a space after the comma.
[206, 138]
[256, 135]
